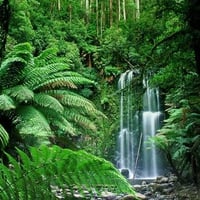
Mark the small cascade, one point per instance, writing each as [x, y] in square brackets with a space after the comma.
[137, 156]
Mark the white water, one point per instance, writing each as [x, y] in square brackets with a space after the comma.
[136, 127]
[151, 116]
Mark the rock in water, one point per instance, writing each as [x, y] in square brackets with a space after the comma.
[125, 172]
[129, 197]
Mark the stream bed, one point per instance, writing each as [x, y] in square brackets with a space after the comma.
[166, 188]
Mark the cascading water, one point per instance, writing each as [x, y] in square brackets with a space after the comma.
[151, 121]
[136, 155]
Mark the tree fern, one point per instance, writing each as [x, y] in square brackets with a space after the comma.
[6, 103]
[47, 56]
[54, 83]
[79, 119]
[59, 124]
[37, 91]
[20, 93]
[4, 137]
[53, 172]
[49, 102]
[32, 122]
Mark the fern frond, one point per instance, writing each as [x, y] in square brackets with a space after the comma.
[40, 78]
[55, 83]
[80, 120]
[43, 72]
[23, 51]
[6, 103]
[48, 101]
[54, 169]
[4, 137]
[58, 122]
[9, 62]
[21, 48]
[20, 93]
[72, 99]
[64, 125]
[32, 122]
[48, 56]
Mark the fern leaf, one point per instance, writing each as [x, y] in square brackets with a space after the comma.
[63, 124]
[4, 137]
[48, 101]
[58, 122]
[68, 98]
[56, 83]
[21, 48]
[6, 103]
[55, 169]
[80, 120]
[20, 93]
[6, 64]
[32, 122]
[46, 57]
[32, 74]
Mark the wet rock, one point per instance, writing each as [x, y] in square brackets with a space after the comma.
[108, 195]
[162, 179]
[172, 178]
[125, 172]
[129, 197]
[140, 196]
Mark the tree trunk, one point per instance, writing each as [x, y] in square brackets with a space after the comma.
[87, 10]
[119, 10]
[59, 6]
[111, 12]
[137, 5]
[4, 22]
[97, 17]
[194, 22]
[102, 20]
[124, 9]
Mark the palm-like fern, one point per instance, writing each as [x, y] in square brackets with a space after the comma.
[52, 173]
[38, 90]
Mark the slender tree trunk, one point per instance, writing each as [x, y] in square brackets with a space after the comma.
[111, 12]
[194, 22]
[124, 9]
[70, 13]
[102, 19]
[137, 13]
[59, 6]
[4, 22]
[97, 17]
[87, 9]
[119, 10]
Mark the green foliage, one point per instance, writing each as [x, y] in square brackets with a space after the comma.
[42, 93]
[22, 30]
[179, 137]
[53, 172]
[4, 137]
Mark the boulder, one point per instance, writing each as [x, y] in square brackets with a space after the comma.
[125, 173]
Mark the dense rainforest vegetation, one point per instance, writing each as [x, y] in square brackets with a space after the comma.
[60, 64]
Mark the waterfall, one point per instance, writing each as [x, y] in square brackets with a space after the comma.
[136, 128]
[151, 120]
[126, 135]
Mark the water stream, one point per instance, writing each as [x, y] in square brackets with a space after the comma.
[137, 156]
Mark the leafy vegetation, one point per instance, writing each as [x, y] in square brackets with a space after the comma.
[54, 172]
[60, 63]
[36, 96]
